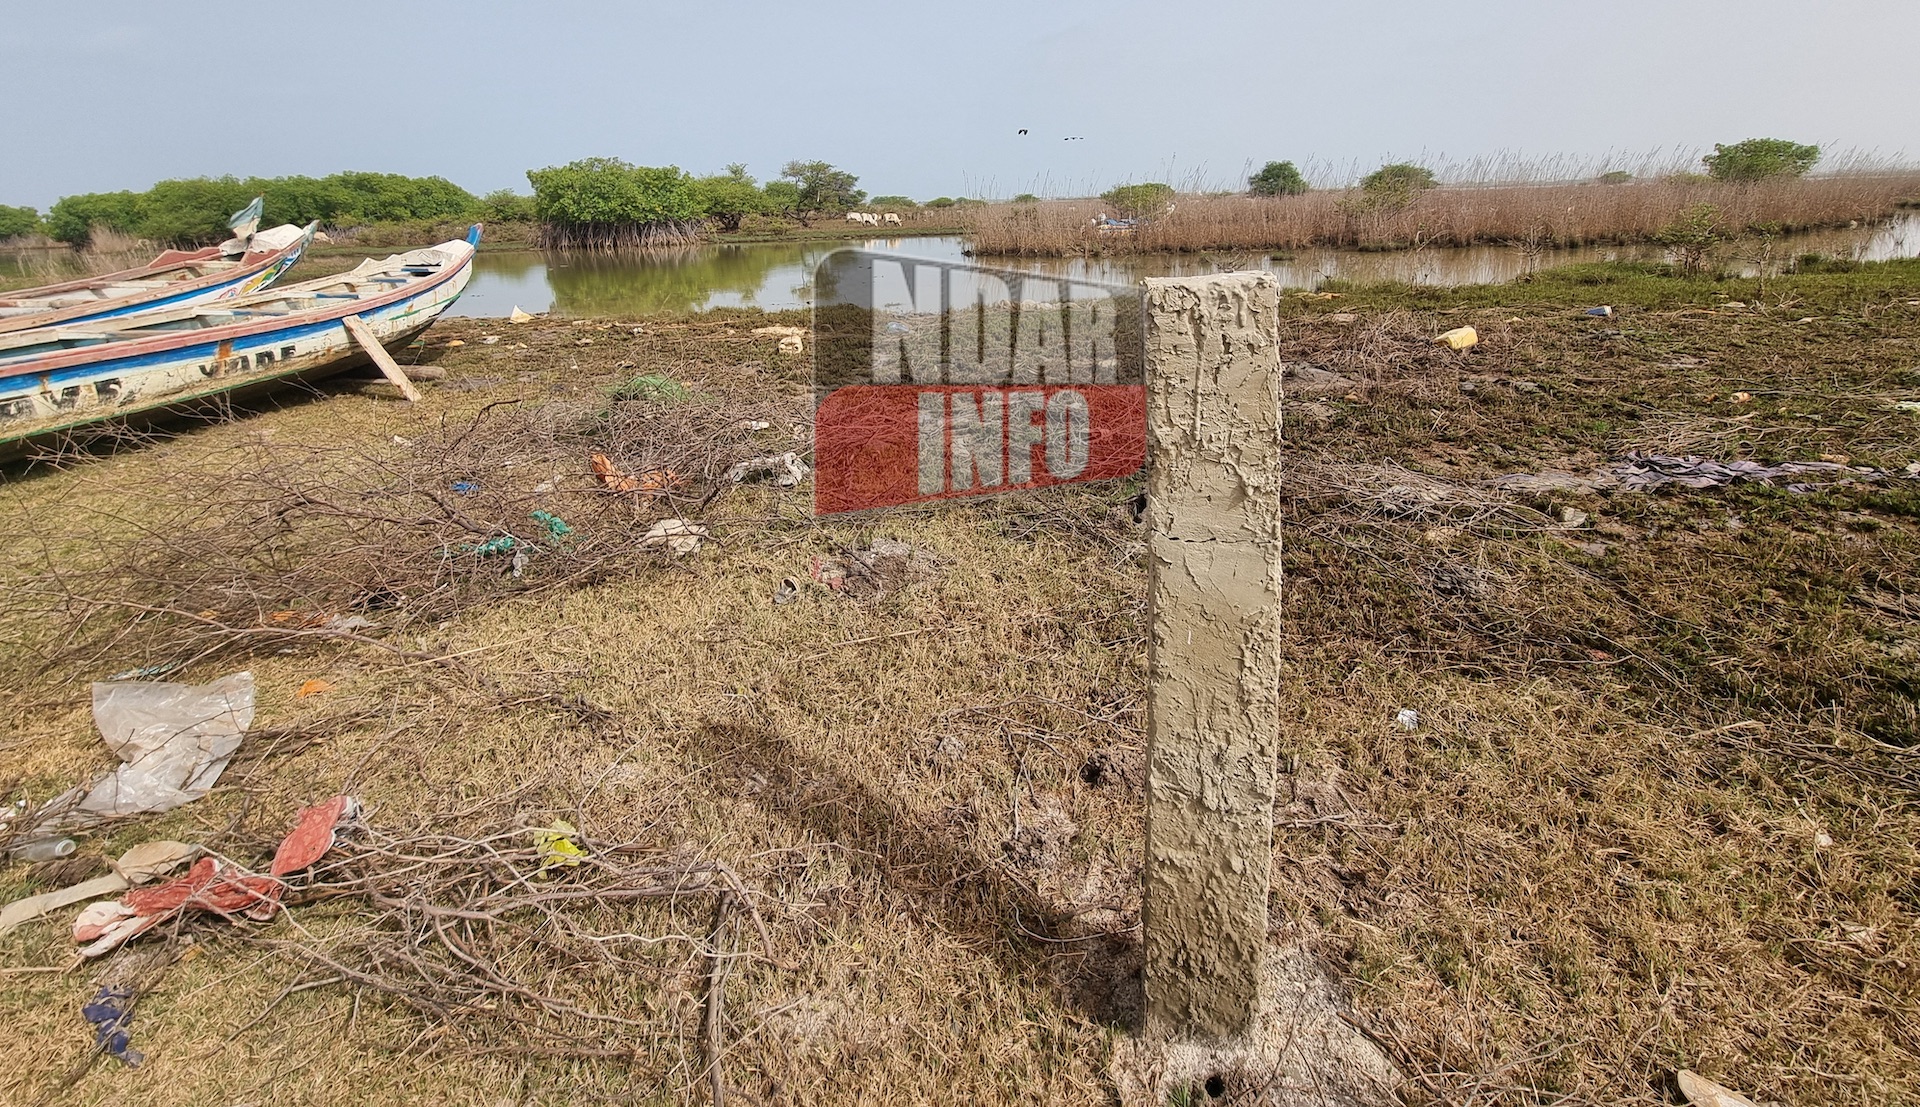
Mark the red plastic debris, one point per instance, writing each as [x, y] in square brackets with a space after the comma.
[312, 835]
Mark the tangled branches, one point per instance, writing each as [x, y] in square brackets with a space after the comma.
[495, 932]
[269, 545]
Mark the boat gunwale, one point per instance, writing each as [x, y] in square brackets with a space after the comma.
[160, 343]
[238, 271]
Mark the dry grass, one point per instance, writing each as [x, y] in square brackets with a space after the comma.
[1532, 215]
[1659, 812]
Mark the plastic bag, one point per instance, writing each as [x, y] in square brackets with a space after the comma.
[175, 740]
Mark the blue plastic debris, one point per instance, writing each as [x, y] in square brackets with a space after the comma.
[465, 486]
[1601, 312]
[109, 1013]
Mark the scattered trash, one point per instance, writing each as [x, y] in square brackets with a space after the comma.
[1303, 379]
[1574, 517]
[651, 483]
[557, 846]
[755, 425]
[792, 339]
[882, 568]
[32, 907]
[557, 527]
[519, 316]
[399, 441]
[1735, 305]
[489, 339]
[788, 591]
[1701, 1092]
[313, 834]
[897, 327]
[1908, 405]
[1459, 338]
[465, 487]
[1741, 397]
[146, 671]
[44, 849]
[348, 624]
[152, 860]
[678, 536]
[313, 688]
[492, 547]
[1604, 311]
[1343, 318]
[210, 885]
[173, 739]
[142, 863]
[1912, 469]
[786, 469]
[214, 885]
[1643, 472]
[1407, 719]
[110, 1011]
[454, 343]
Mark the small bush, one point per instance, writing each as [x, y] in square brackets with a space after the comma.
[1400, 177]
[1277, 178]
[902, 202]
[1758, 159]
[1026, 198]
[15, 222]
[1690, 237]
[940, 202]
[506, 206]
[1613, 177]
[1136, 200]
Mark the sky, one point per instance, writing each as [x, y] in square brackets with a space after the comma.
[927, 100]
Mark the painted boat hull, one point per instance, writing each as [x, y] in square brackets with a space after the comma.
[69, 304]
[135, 379]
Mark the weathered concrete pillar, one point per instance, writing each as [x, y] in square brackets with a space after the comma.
[1213, 432]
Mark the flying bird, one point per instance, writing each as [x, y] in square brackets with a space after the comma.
[1023, 130]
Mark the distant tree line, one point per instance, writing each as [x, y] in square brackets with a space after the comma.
[607, 202]
[194, 211]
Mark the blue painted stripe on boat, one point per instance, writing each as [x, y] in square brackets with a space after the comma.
[205, 351]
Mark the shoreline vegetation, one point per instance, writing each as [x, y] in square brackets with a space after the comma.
[1752, 192]
[1533, 217]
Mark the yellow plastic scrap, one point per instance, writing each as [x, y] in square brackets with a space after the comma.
[1459, 338]
[556, 844]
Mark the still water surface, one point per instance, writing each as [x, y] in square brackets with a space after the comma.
[778, 276]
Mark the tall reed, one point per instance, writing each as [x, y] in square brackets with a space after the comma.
[1543, 215]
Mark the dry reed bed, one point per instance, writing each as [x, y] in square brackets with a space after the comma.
[1533, 215]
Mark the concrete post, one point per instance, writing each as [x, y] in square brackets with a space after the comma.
[1213, 427]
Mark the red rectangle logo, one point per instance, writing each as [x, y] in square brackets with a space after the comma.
[936, 380]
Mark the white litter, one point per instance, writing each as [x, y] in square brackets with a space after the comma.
[678, 536]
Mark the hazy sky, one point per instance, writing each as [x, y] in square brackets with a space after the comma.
[926, 100]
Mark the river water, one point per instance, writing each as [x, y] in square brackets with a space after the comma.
[777, 276]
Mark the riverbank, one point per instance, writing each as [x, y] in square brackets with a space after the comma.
[1655, 812]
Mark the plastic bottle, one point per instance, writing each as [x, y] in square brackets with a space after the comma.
[45, 849]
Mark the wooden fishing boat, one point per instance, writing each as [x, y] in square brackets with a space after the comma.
[176, 278]
[57, 380]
